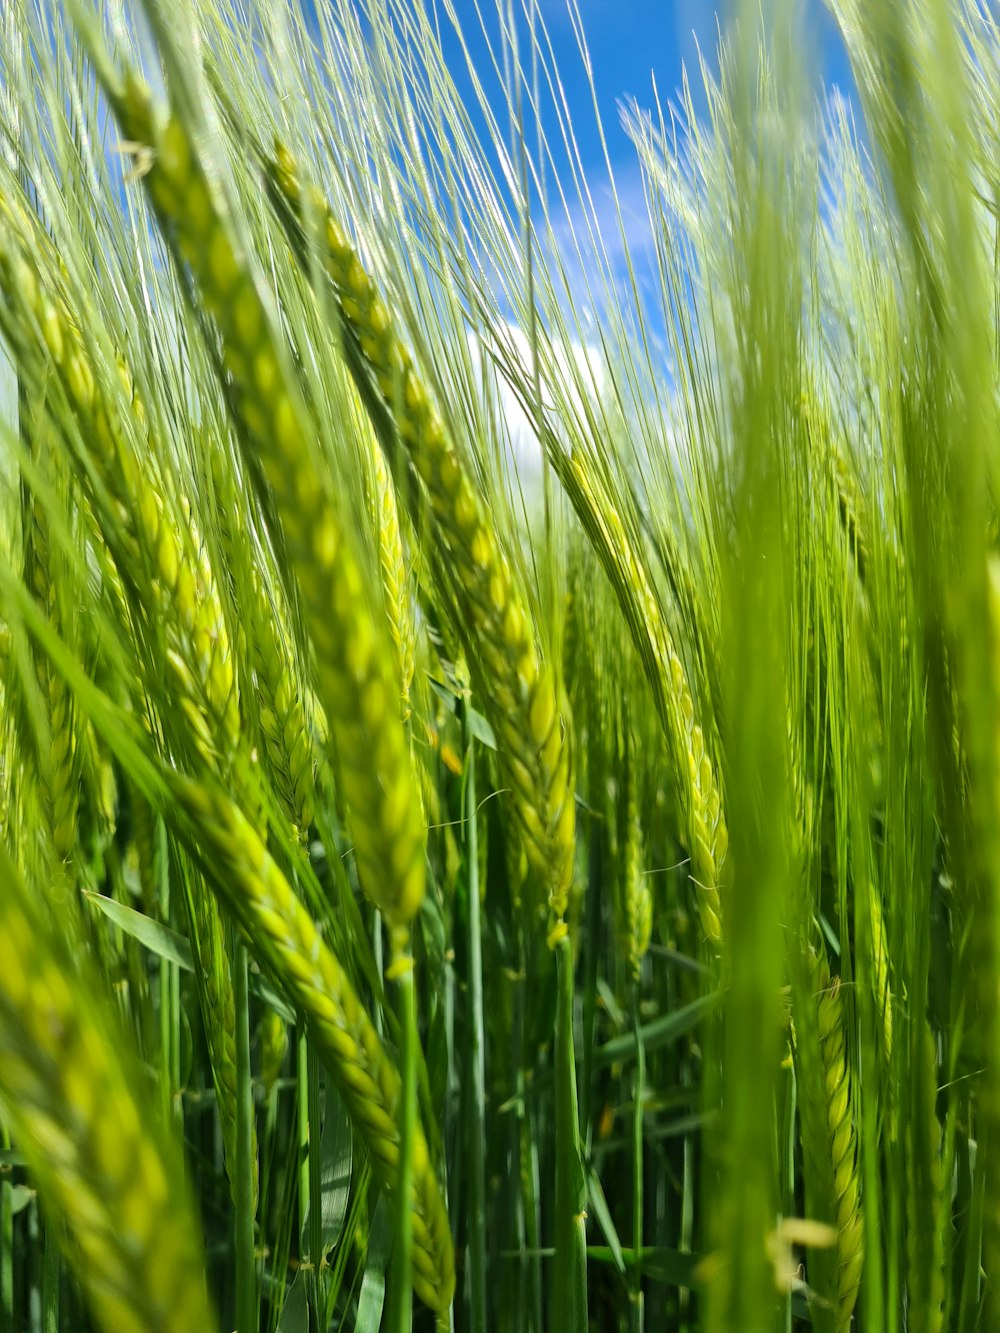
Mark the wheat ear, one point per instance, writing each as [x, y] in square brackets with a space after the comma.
[57, 768]
[880, 975]
[830, 1143]
[171, 585]
[292, 731]
[287, 712]
[520, 691]
[635, 906]
[181, 589]
[395, 579]
[354, 680]
[706, 834]
[284, 938]
[72, 1094]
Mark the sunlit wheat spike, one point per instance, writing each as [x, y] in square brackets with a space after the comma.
[291, 722]
[58, 769]
[520, 690]
[352, 658]
[832, 462]
[880, 973]
[168, 571]
[282, 935]
[706, 834]
[635, 904]
[176, 574]
[74, 1097]
[395, 577]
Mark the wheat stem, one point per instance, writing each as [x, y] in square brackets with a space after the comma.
[244, 1177]
[569, 1286]
[474, 1089]
[401, 970]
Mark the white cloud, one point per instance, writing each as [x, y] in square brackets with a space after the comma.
[578, 369]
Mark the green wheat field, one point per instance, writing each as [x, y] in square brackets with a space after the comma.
[499, 723]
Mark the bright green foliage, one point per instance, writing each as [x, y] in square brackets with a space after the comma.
[57, 767]
[141, 534]
[499, 676]
[292, 725]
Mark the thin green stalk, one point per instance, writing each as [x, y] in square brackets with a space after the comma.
[790, 1139]
[569, 1288]
[177, 1109]
[875, 1281]
[527, 1159]
[401, 1288]
[533, 1228]
[33, 1258]
[636, 1312]
[166, 1064]
[158, 871]
[246, 1266]
[315, 1165]
[475, 1098]
[7, 1323]
[302, 1124]
[971, 1271]
[378, 952]
[50, 1279]
[591, 956]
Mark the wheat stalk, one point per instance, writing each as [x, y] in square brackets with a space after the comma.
[218, 1006]
[925, 1233]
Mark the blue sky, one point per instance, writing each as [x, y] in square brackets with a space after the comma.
[630, 43]
[631, 40]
